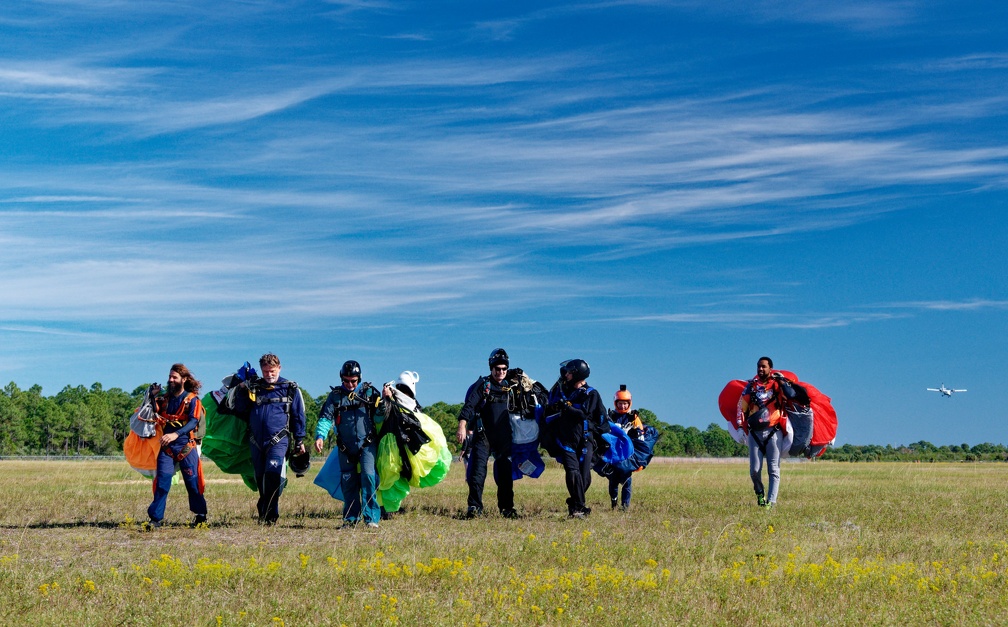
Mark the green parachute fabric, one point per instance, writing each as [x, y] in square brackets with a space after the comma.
[425, 468]
[226, 442]
[392, 488]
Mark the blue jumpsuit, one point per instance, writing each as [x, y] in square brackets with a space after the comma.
[354, 414]
[169, 455]
[632, 425]
[276, 414]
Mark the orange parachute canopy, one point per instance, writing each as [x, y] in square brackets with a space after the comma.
[141, 453]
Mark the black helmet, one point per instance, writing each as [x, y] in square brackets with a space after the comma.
[300, 463]
[578, 368]
[350, 369]
[499, 357]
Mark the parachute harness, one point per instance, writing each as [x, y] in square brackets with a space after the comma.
[356, 401]
[287, 400]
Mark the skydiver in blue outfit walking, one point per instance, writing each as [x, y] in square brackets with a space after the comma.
[631, 423]
[178, 412]
[276, 413]
[353, 408]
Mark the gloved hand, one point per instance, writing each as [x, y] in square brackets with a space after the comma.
[575, 414]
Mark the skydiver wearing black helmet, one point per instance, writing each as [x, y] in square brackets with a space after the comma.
[575, 414]
[352, 409]
[485, 419]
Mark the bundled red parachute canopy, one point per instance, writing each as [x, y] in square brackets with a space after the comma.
[823, 417]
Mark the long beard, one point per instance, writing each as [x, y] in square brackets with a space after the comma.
[175, 388]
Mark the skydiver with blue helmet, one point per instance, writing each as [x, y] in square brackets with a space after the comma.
[276, 413]
[486, 421]
[353, 408]
[574, 418]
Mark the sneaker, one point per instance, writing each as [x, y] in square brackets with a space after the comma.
[581, 513]
[473, 512]
[150, 525]
[200, 519]
[509, 513]
[761, 500]
[769, 505]
[372, 525]
[613, 503]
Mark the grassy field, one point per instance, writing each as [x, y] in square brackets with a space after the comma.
[882, 543]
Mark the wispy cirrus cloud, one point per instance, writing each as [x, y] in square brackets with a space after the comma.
[34, 77]
[766, 320]
[970, 304]
[857, 15]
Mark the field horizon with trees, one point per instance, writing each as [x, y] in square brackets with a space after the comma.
[91, 421]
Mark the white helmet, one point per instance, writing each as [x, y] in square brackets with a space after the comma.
[409, 379]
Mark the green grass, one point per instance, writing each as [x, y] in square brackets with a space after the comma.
[850, 544]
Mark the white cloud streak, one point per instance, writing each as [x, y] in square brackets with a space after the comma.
[766, 320]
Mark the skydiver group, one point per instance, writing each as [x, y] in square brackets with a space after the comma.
[570, 421]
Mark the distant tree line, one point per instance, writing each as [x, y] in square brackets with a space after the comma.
[93, 421]
[922, 451]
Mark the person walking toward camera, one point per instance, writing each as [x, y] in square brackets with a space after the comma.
[178, 411]
[574, 417]
[631, 423]
[760, 415]
[485, 420]
[352, 408]
[275, 411]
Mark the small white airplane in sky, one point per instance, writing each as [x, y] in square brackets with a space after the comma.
[944, 390]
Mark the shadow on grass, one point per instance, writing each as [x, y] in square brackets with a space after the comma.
[75, 524]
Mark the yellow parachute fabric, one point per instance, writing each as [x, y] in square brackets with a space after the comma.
[428, 466]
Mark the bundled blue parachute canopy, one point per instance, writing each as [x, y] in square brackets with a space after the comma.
[330, 477]
[526, 461]
[642, 454]
[620, 447]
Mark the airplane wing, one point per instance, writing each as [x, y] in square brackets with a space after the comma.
[960, 390]
[933, 390]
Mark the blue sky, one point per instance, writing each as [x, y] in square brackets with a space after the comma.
[666, 189]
